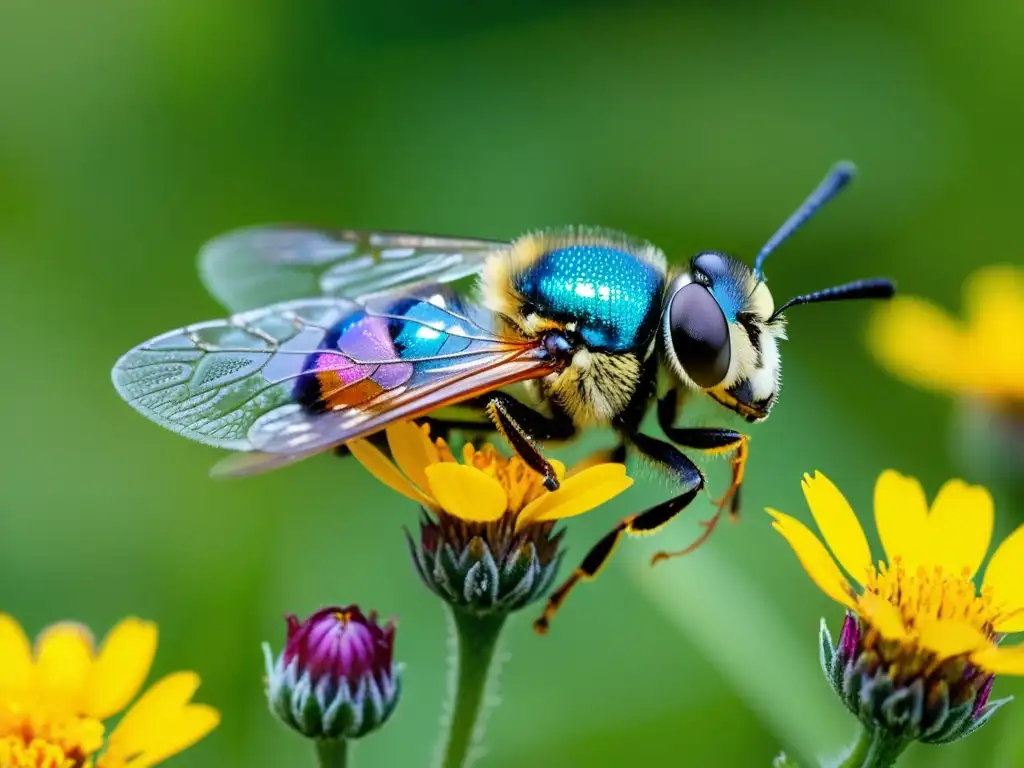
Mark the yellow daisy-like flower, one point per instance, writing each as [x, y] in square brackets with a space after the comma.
[918, 624]
[923, 596]
[980, 356]
[54, 698]
[487, 543]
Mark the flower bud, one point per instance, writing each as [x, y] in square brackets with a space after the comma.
[485, 574]
[336, 677]
[935, 704]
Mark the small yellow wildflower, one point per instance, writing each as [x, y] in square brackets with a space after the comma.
[924, 596]
[486, 487]
[487, 544]
[918, 619]
[980, 357]
[55, 697]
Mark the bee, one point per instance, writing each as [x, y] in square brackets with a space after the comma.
[337, 334]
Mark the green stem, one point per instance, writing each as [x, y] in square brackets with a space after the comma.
[873, 749]
[477, 638]
[331, 753]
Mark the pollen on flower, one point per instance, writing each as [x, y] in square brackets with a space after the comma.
[15, 752]
[929, 593]
[922, 597]
[31, 740]
[520, 483]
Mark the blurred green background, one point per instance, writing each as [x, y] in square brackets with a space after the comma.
[130, 132]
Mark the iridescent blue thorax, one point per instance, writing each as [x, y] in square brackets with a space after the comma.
[612, 295]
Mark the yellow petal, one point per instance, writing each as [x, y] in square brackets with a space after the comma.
[600, 456]
[16, 656]
[994, 304]
[178, 734]
[466, 492]
[597, 487]
[1001, 661]
[1005, 573]
[920, 343]
[901, 514]
[574, 485]
[814, 558]
[838, 525]
[161, 723]
[1014, 622]
[882, 615]
[947, 638]
[64, 656]
[559, 468]
[961, 523]
[378, 465]
[413, 451]
[994, 301]
[121, 668]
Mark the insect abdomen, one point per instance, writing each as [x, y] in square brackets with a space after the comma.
[362, 356]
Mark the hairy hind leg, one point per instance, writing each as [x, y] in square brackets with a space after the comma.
[690, 481]
[523, 427]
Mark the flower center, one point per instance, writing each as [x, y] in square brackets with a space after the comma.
[16, 753]
[47, 742]
[929, 593]
[520, 483]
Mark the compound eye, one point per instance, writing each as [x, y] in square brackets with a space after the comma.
[700, 335]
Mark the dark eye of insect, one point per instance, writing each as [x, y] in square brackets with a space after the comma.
[700, 335]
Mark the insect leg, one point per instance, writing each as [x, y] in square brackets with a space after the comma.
[710, 440]
[522, 427]
[690, 480]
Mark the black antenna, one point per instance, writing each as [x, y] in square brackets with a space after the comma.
[873, 288]
[838, 177]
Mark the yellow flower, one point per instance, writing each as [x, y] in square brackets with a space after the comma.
[981, 356]
[487, 544]
[54, 698]
[486, 487]
[920, 607]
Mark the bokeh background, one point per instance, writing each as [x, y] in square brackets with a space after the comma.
[130, 132]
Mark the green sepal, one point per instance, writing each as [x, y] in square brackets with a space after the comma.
[918, 710]
[473, 580]
[966, 728]
[828, 657]
[481, 582]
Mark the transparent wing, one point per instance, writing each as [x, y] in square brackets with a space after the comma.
[296, 378]
[257, 266]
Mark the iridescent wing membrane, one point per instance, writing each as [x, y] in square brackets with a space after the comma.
[256, 266]
[338, 334]
[298, 377]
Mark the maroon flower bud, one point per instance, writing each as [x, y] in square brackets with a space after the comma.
[336, 677]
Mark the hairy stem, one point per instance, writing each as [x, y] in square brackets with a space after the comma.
[874, 748]
[477, 639]
[332, 753]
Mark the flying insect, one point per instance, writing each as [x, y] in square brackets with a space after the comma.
[337, 334]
